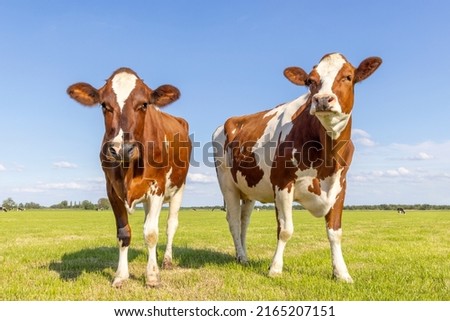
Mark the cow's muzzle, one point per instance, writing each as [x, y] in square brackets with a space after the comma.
[324, 103]
[122, 152]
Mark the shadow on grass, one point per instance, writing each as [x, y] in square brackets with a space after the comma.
[93, 260]
[197, 258]
[100, 260]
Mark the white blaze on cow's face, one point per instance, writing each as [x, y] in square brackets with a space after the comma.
[326, 84]
[122, 84]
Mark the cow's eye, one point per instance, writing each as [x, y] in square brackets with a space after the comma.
[143, 107]
[310, 82]
[105, 107]
[348, 78]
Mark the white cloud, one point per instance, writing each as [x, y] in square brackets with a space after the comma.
[27, 190]
[362, 137]
[403, 171]
[64, 164]
[420, 156]
[201, 178]
[61, 186]
[2, 168]
[400, 173]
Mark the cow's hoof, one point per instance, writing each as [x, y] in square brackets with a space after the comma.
[274, 274]
[343, 278]
[275, 271]
[118, 282]
[167, 264]
[153, 282]
[242, 260]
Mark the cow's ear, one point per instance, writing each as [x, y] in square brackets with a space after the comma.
[366, 68]
[164, 95]
[84, 93]
[296, 75]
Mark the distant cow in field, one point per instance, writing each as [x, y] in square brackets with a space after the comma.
[3, 209]
[145, 157]
[299, 151]
[400, 210]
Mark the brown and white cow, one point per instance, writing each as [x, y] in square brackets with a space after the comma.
[299, 151]
[145, 157]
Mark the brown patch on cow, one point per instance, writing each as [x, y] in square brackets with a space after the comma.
[151, 239]
[315, 187]
[242, 134]
[302, 108]
[302, 144]
[343, 87]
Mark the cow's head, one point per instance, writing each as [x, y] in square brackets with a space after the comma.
[331, 85]
[125, 100]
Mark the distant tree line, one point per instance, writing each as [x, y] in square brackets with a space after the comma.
[102, 204]
[394, 207]
[382, 207]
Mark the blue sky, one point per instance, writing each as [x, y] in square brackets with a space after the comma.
[227, 58]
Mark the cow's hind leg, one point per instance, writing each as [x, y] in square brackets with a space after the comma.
[232, 199]
[172, 225]
[246, 211]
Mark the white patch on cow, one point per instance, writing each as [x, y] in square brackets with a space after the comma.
[170, 189]
[278, 127]
[122, 268]
[123, 84]
[330, 187]
[262, 191]
[336, 121]
[333, 123]
[130, 208]
[293, 159]
[119, 137]
[328, 69]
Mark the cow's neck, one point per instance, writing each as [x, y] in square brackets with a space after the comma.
[338, 150]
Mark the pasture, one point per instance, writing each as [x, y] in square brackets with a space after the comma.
[72, 255]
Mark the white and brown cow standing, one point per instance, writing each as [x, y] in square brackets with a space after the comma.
[299, 151]
[145, 157]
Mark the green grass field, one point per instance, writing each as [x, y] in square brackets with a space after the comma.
[72, 255]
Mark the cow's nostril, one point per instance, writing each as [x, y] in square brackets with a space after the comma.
[128, 148]
[112, 151]
[330, 99]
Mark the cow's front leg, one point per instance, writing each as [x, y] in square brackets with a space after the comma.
[334, 233]
[122, 274]
[123, 236]
[283, 207]
[152, 209]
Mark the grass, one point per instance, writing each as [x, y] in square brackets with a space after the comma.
[72, 255]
